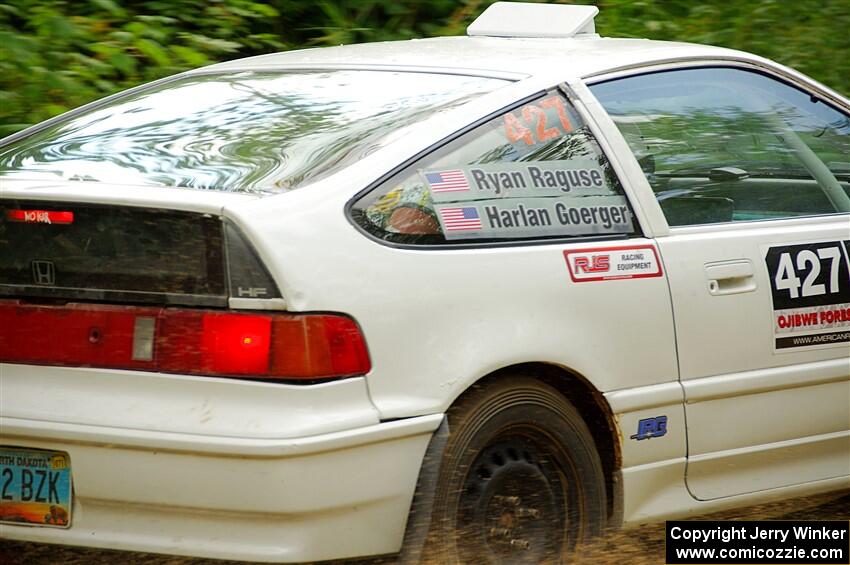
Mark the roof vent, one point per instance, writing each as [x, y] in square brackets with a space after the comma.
[522, 19]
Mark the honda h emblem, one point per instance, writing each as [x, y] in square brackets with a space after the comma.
[44, 272]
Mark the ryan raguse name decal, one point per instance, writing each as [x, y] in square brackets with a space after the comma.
[810, 289]
[527, 199]
[577, 177]
[535, 177]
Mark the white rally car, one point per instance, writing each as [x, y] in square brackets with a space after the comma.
[468, 298]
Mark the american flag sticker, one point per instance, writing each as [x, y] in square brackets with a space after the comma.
[447, 181]
[464, 218]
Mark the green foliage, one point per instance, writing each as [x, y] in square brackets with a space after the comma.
[59, 54]
[809, 35]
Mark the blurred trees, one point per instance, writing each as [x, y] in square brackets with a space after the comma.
[58, 54]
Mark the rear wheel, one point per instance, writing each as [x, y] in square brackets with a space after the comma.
[520, 480]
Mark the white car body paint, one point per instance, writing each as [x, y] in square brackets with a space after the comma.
[326, 471]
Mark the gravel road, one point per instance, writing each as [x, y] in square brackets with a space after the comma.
[637, 547]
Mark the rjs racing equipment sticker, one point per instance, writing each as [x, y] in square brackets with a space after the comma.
[610, 263]
[810, 287]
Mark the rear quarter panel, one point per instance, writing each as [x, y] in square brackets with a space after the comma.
[436, 321]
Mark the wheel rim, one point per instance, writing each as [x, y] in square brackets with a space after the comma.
[514, 500]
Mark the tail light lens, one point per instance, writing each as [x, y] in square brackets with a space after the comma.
[199, 342]
[40, 216]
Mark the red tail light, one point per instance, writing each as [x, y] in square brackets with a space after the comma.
[40, 216]
[201, 342]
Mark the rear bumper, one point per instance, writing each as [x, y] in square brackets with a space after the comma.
[215, 467]
[335, 495]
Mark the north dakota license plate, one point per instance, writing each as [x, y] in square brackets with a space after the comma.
[35, 487]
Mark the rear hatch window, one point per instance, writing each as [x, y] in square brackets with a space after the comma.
[261, 132]
[107, 253]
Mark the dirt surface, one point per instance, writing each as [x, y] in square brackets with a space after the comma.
[642, 546]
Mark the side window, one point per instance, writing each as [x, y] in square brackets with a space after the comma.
[725, 145]
[534, 172]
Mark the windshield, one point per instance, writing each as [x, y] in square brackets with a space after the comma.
[240, 131]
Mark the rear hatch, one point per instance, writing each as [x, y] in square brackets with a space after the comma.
[145, 288]
[116, 254]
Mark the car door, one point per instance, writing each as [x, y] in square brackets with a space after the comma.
[752, 174]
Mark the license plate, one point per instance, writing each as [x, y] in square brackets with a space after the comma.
[35, 487]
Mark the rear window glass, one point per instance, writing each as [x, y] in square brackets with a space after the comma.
[242, 131]
[104, 252]
[532, 173]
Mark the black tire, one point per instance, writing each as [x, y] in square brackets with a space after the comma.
[520, 480]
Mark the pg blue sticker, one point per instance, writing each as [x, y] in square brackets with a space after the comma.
[651, 427]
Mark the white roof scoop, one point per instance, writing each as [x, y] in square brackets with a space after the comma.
[523, 19]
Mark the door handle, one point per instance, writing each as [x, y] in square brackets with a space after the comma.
[730, 277]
